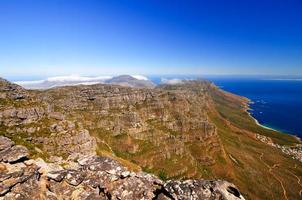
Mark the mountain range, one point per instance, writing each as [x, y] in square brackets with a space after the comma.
[189, 130]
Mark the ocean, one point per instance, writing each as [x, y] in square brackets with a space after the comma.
[277, 102]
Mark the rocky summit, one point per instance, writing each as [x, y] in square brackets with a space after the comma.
[93, 177]
[138, 141]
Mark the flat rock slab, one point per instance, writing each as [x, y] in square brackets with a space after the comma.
[14, 154]
[5, 143]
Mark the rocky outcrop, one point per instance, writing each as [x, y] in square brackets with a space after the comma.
[20, 116]
[65, 138]
[11, 91]
[35, 121]
[92, 177]
[201, 189]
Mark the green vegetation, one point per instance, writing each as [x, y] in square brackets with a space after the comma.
[159, 126]
[35, 150]
[162, 175]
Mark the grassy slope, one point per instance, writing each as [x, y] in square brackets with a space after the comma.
[260, 171]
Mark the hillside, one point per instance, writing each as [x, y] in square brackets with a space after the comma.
[189, 130]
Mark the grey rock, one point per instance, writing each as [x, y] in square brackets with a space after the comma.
[56, 115]
[56, 175]
[96, 178]
[202, 189]
[14, 154]
[5, 143]
[74, 177]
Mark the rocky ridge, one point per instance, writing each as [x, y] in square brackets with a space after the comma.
[190, 131]
[92, 177]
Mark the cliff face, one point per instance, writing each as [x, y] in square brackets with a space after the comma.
[190, 130]
[138, 123]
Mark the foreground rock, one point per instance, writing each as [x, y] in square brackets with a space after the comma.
[92, 177]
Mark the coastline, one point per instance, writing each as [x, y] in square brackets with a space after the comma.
[263, 126]
[256, 121]
[247, 108]
[266, 127]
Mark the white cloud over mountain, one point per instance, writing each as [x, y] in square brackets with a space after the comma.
[173, 81]
[77, 78]
[140, 77]
[57, 81]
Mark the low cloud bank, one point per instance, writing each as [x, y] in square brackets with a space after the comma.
[77, 78]
[140, 77]
[68, 80]
[284, 79]
[173, 81]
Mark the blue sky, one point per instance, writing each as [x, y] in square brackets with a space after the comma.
[96, 37]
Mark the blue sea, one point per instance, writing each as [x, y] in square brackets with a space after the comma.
[277, 101]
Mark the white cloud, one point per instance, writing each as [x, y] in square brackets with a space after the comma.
[29, 82]
[86, 83]
[57, 81]
[77, 78]
[62, 81]
[285, 79]
[171, 81]
[140, 77]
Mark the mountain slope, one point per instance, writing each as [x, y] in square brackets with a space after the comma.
[189, 130]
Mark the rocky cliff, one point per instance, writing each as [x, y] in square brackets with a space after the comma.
[191, 130]
[92, 177]
[131, 121]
